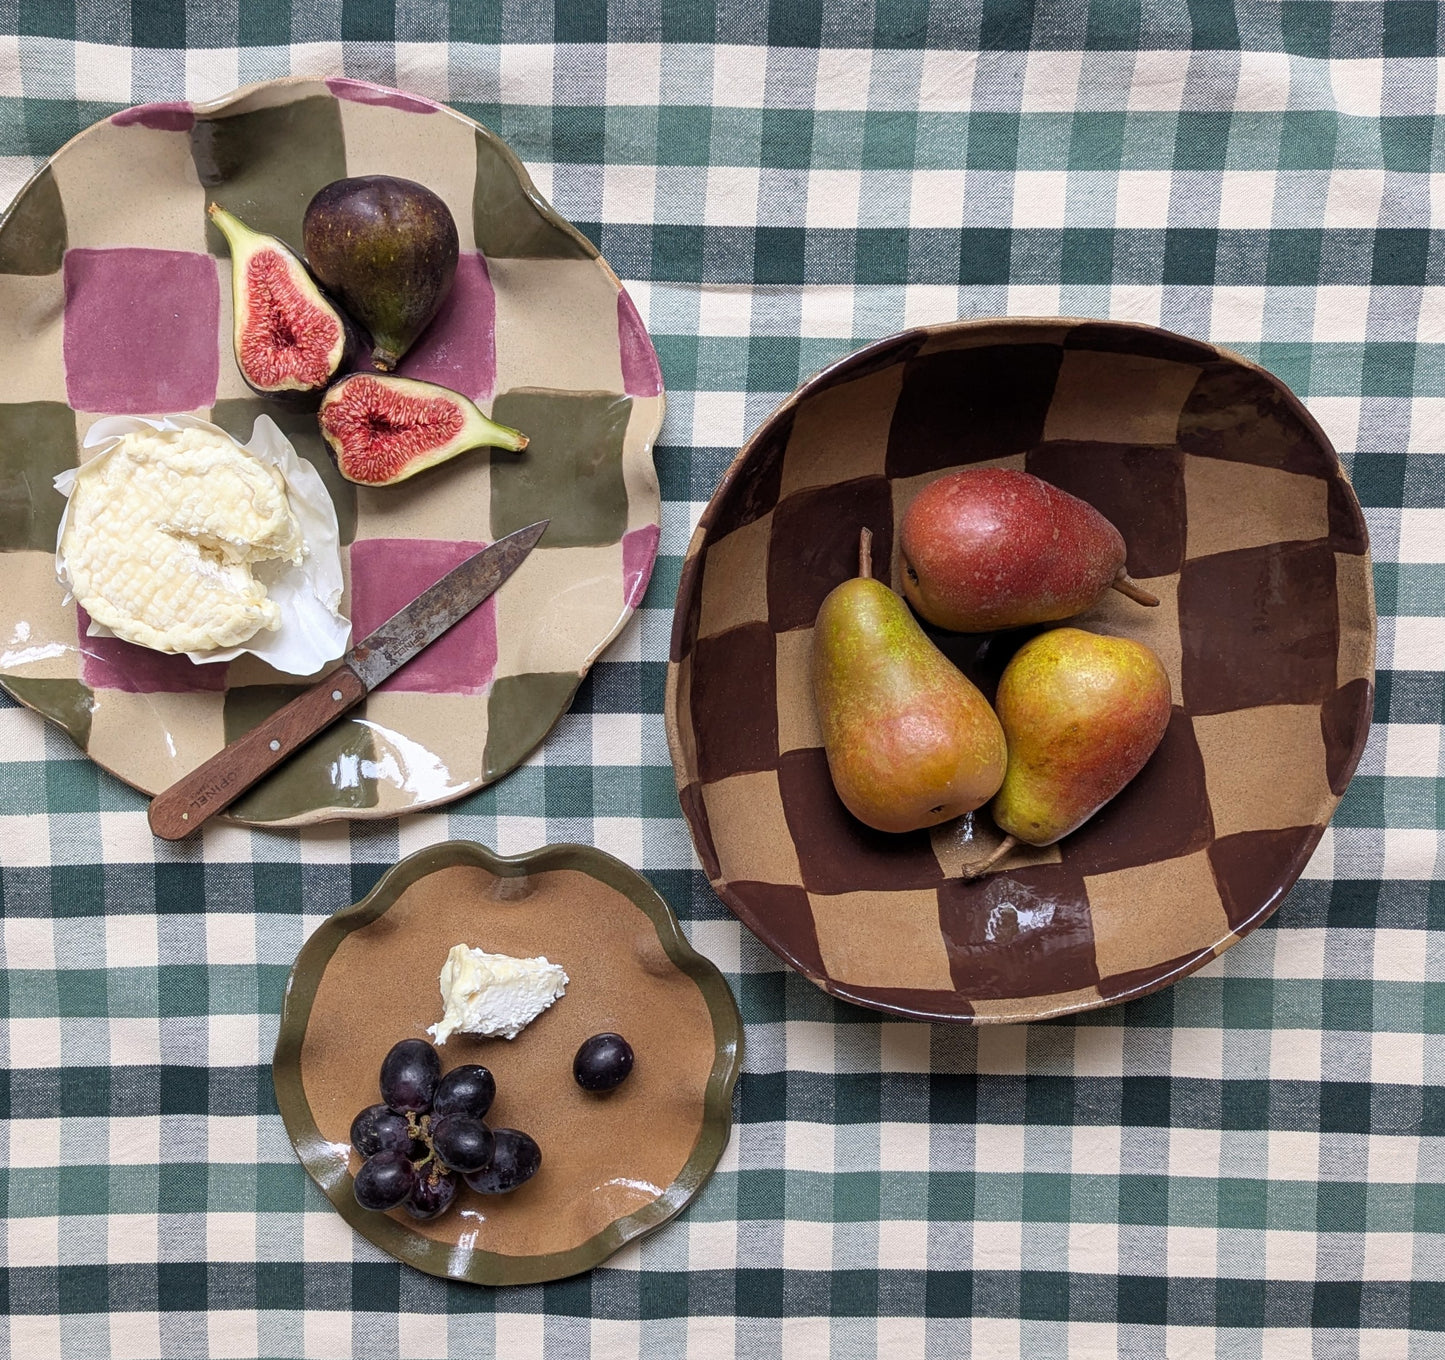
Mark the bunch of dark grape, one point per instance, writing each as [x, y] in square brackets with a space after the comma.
[428, 1130]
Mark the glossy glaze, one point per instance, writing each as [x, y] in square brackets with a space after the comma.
[613, 1166]
[113, 232]
[1235, 512]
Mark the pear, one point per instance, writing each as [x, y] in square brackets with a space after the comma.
[988, 548]
[910, 741]
[1082, 714]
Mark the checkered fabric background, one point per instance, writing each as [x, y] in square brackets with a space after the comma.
[1249, 1164]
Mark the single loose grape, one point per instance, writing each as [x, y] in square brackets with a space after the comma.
[603, 1062]
[384, 1181]
[409, 1076]
[515, 1159]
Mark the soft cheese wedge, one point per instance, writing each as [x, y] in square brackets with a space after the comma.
[162, 535]
[494, 994]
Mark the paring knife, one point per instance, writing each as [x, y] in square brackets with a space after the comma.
[215, 785]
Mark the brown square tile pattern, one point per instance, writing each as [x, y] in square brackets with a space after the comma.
[872, 941]
[1237, 516]
[1139, 489]
[814, 545]
[735, 589]
[797, 713]
[750, 805]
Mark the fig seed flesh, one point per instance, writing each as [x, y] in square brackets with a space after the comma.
[288, 340]
[382, 429]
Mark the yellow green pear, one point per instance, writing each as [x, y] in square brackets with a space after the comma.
[1082, 713]
[910, 741]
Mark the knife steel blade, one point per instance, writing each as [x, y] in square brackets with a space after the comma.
[214, 785]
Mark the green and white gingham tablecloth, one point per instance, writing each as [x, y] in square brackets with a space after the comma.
[1251, 1163]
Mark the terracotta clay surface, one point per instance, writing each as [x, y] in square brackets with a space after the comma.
[603, 1157]
[1235, 513]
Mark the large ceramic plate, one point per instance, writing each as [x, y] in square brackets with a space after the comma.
[1237, 515]
[613, 1166]
[115, 299]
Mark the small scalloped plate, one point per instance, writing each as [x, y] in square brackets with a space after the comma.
[613, 1166]
[115, 294]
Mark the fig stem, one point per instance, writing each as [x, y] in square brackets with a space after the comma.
[865, 553]
[983, 866]
[1126, 585]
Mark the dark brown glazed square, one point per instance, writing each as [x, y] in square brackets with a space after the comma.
[1108, 338]
[1259, 626]
[734, 702]
[969, 405]
[784, 915]
[814, 546]
[836, 852]
[695, 810]
[1138, 489]
[1344, 715]
[1024, 933]
[753, 489]
[1161, 814]
[1118, 986]
[1240, 413]
[685, 618]
[1248, 868]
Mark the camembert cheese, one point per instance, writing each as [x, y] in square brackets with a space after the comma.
[494, 994]
[163, 532]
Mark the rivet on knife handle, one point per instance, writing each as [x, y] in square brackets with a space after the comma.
[211, 787]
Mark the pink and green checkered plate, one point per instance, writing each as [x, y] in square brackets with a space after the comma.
[116, 294]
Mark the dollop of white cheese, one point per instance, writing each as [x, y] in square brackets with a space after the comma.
[162, 534]
[494, 994]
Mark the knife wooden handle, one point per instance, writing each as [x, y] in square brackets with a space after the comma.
[215, 785]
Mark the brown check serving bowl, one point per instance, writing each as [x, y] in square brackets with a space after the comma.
[1237, 515]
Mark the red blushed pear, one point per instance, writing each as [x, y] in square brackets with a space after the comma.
[988, 548]
[1082, 714]
[910, 741]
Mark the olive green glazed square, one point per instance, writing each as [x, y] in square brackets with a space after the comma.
[33, 239]
[37, 442]
[570, 472]
[509, 224]
[520, 712]
[265, 165]
[66, 702]
[328, 772]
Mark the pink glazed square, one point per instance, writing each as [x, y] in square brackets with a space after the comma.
[141, 331]
[388, 573]
[112, 663]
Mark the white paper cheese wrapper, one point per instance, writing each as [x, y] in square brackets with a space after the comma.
[313, 630]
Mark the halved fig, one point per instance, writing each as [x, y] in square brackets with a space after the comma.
[383, 429]
[290, 342]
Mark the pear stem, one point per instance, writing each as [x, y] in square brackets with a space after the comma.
[1126, 585]
[971, 871]
[865, 553]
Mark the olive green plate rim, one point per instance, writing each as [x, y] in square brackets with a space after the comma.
[683, 773]
[476, 1266]
[19, 688]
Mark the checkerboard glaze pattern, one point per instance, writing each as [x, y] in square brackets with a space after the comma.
[119, 290]
[1237, 516]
